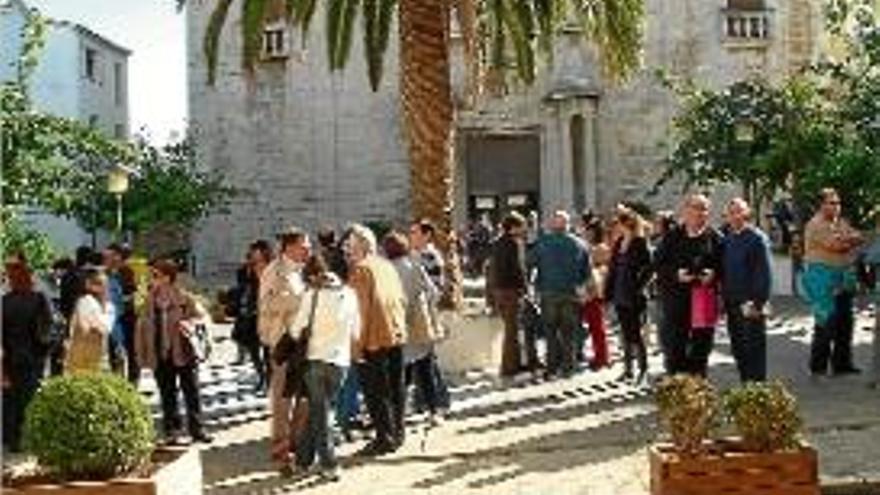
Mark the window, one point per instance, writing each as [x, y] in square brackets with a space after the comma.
[275, 40]
[746, 21]
[91, 64]
[119, 131]
[93, 121]
[118, 84]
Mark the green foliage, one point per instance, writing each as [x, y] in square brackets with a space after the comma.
[688, 405]
[15, 237]
[765, 415]
[511, 33]
[852, 169]
[340, 24]
[813, 131]
[46, 159]
[170, 189]
[91, 426]
[211, 41]
[378, 16]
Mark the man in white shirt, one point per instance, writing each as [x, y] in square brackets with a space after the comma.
[281, 289]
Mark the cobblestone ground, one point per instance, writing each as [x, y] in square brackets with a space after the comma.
[583, 435]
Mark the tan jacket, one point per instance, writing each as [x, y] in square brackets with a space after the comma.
[281, 289]
[382, 304]
[179, 314]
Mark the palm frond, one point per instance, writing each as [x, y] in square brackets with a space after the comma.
[378, 15]
[211, 41]
[253, 14]
[616, 27]
[340, 25]
[301, 13]
[519, 20]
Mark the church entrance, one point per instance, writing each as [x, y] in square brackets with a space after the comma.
[503, 174]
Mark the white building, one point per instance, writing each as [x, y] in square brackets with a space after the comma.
[81, 75]
[319, 148]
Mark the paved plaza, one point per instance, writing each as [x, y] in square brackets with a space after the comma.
[583, 435]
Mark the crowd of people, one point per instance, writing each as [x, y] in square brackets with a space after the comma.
[354, 319]
[680, 273]
[85, 321]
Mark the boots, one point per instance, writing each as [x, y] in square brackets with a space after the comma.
[627, 374]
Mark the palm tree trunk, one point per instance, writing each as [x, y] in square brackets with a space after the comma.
[428, 116]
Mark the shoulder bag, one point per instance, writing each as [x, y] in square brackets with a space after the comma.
[299, 355]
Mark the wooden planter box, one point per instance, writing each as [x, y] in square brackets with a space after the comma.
[177, 471]
[729, 470]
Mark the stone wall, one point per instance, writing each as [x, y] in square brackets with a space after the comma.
[309, 147]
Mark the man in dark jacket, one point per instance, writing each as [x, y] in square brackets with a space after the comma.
[508, 283]
[563, 265]
[745, 288]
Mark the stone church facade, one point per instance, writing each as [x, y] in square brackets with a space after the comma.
[312, 148]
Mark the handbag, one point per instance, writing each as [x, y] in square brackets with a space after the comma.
[199, 341]
[299, 355]
[704, 307]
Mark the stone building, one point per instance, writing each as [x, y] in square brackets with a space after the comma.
[313, 147]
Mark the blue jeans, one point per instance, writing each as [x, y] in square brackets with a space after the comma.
[322, 382]
[347, 403]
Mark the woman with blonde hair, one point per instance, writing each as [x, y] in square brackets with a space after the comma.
[90, 325]
[628, 276]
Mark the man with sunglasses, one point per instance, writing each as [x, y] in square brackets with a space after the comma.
[830, 245]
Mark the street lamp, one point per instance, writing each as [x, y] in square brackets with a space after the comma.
[117, 184]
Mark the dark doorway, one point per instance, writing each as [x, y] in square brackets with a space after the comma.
[503, 174]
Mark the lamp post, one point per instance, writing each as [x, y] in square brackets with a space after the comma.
[117, 184]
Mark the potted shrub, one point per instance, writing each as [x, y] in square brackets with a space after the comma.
[93, 434]
[688, 406]
[766, 458]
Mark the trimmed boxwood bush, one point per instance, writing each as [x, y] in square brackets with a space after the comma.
[88, 427]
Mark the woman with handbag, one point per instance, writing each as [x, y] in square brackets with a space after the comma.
[325, 328]
[90, 324]
[164, 343]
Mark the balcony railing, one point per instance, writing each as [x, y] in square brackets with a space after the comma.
[746, 25]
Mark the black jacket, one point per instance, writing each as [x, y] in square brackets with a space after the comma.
[694, 254]
[637, 272]
[27, 319]
[507, 264]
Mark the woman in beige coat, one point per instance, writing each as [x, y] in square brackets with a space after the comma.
[89, 326]
[422, 323]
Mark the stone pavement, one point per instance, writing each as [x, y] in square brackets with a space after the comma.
[583, 435]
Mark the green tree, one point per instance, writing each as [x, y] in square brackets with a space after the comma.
[817, 129]
[47, 160]
[169, 189]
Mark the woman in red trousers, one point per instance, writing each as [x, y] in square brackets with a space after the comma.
[593, 312]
